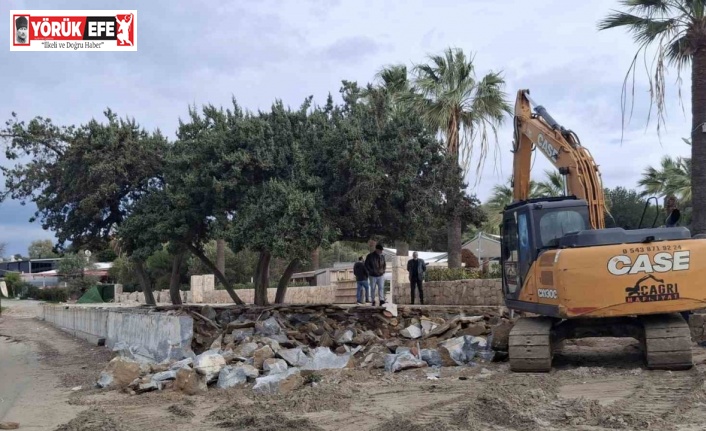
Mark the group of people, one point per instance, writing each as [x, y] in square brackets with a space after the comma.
[370, 275]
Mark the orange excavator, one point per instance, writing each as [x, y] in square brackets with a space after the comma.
[574, 278]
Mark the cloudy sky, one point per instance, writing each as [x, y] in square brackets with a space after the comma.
[197, 52]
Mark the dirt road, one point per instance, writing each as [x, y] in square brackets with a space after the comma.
[39, 366]
[597, 384]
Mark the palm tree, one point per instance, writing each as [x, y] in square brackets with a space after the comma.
[673, 177]
[502, 196]
[553, 185]
[465, 110]
[678, 30]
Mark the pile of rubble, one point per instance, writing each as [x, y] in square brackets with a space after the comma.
[279, 348]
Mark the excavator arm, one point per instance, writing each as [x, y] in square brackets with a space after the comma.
[563, 149]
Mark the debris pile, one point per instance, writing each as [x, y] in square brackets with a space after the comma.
[277, 349]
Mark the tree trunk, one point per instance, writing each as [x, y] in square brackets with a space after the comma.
[284, 281]
[144, 282]
[698, 142]
[229, 288]
[221, 255]
[315, 253]
[455, 243]
[262, 278]
[174, 279]
[402, 248]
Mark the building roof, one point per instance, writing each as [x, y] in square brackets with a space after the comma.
[427, 256]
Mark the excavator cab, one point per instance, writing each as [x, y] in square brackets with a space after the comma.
[532, 226]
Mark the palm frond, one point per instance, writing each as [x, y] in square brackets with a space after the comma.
[665, 26]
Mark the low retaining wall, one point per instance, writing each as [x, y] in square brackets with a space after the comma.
[295, 295]
[160, 335]
[458, 292]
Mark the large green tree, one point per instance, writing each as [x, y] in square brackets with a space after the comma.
[628, 210]
[676, 29]
[82, 179]
[465, 110]
[41, 249]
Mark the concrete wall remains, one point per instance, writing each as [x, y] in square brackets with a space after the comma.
[157, 335]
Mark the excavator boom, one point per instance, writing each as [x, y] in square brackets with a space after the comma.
[563, 149]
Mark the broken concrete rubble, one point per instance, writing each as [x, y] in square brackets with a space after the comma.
[279, 383]
[231, 376]
[274, 366]
[272, 346]
[209, 364]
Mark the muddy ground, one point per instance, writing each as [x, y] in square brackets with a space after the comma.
[597, 384]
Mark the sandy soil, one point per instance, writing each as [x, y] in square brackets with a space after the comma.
[597, 384]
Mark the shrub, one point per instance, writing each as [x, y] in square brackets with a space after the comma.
[450, 274]
[55, 294]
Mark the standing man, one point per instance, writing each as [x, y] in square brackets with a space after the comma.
[361, 281]
[416, 268]
[375, 264]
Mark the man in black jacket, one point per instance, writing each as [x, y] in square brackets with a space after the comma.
[416, 268]
[361, 278]
[375, 264]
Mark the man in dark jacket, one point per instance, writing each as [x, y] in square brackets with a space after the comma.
[375, 264]
[361, 278]
[416, 268]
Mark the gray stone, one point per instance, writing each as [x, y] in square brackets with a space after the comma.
[239, 335]
[282, 339]
[323, 358]
[412, 331]
[134, 353]
[260, 355]
[454, 348]
[431, 357]
[428, 326]
[402, 349]
[164, 375]
[250, 371]
[231, 376]
[345, 337]
[274, 366]
[150, 386]
[294, 357]
[184, 363]
[268, 327]
[208, 312]
[279, 383]
[209, 364]
[274, 345]
[403, 361]
[245, 350]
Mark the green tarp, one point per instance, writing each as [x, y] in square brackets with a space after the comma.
[92, 295]
[100, 293]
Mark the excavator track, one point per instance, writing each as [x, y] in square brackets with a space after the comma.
[530, 345]
[667, 342]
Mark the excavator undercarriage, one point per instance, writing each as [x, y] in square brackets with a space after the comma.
[665, 339]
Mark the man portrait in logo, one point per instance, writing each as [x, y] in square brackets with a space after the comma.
[21, 30]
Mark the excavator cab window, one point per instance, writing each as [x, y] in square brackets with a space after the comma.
[516, 252]
[553, 224]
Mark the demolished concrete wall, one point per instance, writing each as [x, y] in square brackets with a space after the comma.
[158, 335]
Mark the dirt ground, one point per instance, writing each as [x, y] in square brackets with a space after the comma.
[597, 384]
